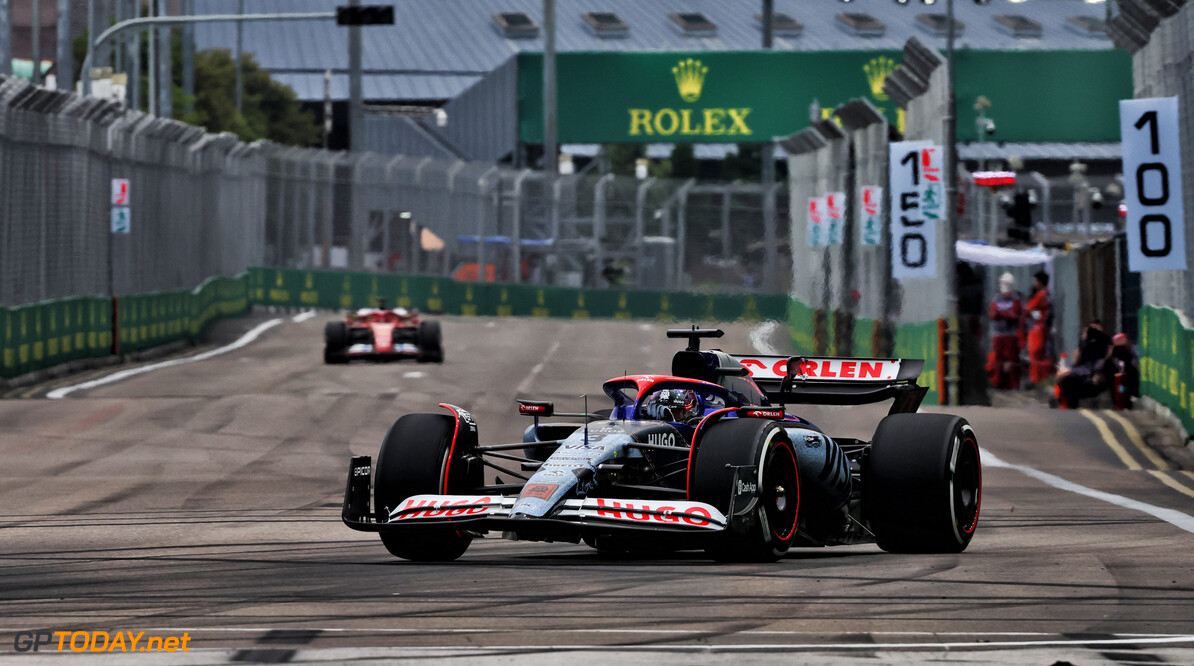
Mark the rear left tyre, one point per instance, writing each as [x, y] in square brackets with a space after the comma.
[732, 455]
[922, 487]
[414, 461]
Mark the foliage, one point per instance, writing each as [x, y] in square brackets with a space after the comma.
[270, 109]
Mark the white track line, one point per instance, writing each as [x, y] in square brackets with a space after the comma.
[133, 372]
[760, 338]
[802, 647]
[302, 316]
[525, 385]
[1175, 518]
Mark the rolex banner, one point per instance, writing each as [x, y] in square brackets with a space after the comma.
[754, 96]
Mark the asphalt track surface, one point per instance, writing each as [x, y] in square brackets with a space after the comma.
[204, 498]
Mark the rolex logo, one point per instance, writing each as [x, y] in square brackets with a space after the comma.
[690, 76]
[876, 73]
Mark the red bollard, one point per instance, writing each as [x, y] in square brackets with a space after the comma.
[1119, 399]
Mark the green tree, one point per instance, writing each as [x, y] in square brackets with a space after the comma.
[270, 110]
[684, 161]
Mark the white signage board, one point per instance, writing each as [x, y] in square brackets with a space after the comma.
[120, 191]
[835, 209]
[1153, 184]
[870, 218]
[913, 237]
[121, 220]
[817, 228]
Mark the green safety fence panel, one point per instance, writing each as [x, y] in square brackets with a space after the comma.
[150, 320]
[346, 290]
[215, 299]
[864, 337]
[801, 321]
[920, 341]
[1167, 362]
[41, 335]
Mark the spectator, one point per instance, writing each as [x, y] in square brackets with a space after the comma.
[1006, 314]
[1039, 319]
[1087, 377]
[1121, 371]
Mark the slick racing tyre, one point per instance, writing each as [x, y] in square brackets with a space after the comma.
[335, 342]
[922, 484]
[430, 341]
[765, 461]
[412, 461]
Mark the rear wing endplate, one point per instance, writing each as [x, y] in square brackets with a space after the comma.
[837, 381]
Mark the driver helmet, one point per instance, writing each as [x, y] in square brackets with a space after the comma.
[675, 405]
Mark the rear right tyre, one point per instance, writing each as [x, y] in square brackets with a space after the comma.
[430, 341]
[923, 484]
[335, 342]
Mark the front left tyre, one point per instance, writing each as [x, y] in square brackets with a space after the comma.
[740, 458]
[414, 460]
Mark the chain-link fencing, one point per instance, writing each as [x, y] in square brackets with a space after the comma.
[200, 205]
[194, 200]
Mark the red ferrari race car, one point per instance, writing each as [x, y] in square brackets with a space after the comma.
[379, 334]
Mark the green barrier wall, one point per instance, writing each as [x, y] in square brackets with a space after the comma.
[328, 289]
[149, 320]
[41, 335]
[1167, 362]
[911, 341]
[864, 337]
[802, 323]
[920, 341]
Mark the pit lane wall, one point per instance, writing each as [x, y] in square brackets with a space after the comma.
[43, 335]
[1167, 362]
[348, 290]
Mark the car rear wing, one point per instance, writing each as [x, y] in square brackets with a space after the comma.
[837, 381]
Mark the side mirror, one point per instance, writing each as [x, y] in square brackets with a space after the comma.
[535, 408]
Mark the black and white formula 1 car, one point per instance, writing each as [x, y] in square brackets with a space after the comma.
[702, 458]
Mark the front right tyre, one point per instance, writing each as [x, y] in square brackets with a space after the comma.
[335, 342]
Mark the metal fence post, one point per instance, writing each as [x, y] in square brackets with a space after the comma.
[640, 200]
[516, 225]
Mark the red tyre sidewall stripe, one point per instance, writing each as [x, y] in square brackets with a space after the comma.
[796, 518]
[452, 448]
[693, 447]
[978, 500]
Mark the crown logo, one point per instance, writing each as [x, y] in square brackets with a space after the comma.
[690, 76]
[876, 73]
